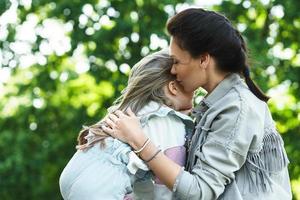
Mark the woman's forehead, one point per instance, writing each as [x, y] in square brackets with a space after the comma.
[178, 53]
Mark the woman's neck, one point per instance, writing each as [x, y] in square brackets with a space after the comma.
[214, 80]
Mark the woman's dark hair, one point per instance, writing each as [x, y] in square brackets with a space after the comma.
[200, 31]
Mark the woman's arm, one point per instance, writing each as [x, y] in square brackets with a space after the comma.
[185, 185]
[223, 152]
[163, 167]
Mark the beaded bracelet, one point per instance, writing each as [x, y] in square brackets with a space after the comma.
[143, 147]
[156, 153]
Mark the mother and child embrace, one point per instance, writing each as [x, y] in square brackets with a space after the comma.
[148, 147]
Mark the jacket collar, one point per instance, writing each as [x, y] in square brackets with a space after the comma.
[222, 88]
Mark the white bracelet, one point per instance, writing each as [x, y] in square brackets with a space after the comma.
[143, 147]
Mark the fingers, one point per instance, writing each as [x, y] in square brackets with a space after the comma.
[130, 113]
[109, 122]
[119, 114]
[113, 117]
[108, 130]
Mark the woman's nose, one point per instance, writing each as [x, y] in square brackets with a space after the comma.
[173, 70]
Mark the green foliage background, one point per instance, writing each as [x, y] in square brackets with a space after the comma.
[43, 104]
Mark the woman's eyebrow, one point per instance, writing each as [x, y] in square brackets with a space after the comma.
[173, 57]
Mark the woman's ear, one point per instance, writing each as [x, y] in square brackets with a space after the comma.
[204, 60]
[172, 87]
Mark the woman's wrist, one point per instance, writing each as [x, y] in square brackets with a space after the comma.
[138, 141]
[149, 152]
[144, 147]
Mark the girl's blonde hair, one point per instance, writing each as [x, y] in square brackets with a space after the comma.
[145, 83]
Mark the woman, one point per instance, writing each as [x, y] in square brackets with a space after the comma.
[235, 152]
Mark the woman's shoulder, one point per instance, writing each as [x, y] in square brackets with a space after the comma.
[233, 93]
[242, 99]
[241, 105]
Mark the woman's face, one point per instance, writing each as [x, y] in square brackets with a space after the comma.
[188, 71]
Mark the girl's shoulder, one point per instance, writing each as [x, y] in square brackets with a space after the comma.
[154, 109]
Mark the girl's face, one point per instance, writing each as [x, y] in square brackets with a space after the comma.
[177, 97]
[183, 100]
[188, 71]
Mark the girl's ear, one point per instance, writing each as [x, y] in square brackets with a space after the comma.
[172, 87]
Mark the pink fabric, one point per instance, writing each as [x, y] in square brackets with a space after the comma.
[177, 154]
[128, 197]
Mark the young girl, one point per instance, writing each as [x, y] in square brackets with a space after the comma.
[104, 167]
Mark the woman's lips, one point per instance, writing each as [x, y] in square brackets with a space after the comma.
[180, 82]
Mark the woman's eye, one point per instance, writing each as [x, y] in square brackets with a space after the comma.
[175, 62]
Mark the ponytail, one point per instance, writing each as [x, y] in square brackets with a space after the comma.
[253, 87]
[246, 72]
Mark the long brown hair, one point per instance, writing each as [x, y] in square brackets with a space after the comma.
[201, 31]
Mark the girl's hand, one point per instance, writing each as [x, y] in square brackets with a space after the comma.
[125, 127]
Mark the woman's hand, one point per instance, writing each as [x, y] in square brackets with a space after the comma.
[125, 127]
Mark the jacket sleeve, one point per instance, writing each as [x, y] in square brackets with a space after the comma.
[222, 153]
[167, 132]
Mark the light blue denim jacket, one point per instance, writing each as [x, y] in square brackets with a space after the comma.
[236, 152]
[103, 173]
[168, 129]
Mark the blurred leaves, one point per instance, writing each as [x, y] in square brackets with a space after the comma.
[4, 5]
[67, 62]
